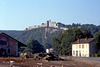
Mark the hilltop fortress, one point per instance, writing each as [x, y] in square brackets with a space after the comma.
[47, 24]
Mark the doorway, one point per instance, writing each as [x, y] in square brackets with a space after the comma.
[2, 52]
[77, 53]
[80, 53]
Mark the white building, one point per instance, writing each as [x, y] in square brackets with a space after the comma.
[49, 50]
[84, 47]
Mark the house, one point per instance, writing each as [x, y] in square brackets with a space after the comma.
[84, 47]
[49, 50]
[9, 46]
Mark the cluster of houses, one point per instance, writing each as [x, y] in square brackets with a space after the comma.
[81, 48]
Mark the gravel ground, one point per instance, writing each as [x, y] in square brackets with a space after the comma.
[18, 62]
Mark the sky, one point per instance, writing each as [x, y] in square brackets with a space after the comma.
[20, 14]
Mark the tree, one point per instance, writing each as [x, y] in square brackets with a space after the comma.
[63, 42]
[47, 45]
[28, 50]
[35, 46]
[97, 39]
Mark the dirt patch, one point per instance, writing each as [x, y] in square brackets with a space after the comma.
[18, 62]
[90, 63]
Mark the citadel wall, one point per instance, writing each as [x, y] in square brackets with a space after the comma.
[47, 24]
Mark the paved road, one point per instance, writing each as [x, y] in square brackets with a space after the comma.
[87, 58]
[83, 58]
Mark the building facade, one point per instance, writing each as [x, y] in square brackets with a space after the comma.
[84, 47]
[9, 46]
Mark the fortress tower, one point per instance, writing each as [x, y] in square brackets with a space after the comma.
[47, 24]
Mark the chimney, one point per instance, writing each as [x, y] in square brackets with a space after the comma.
[78, 41]
[86, 38]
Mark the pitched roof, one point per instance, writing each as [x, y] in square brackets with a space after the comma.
[83, 40]
[19, 43]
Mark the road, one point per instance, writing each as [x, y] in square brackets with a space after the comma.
[83, 58]
[87, 58]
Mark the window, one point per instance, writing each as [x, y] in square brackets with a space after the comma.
[83, 53]
[86, 52]
[8, 50]
[82, 46]
[79, 46]
[73, 46]
[73, 52]
[2, 42]
[86, 46]
[76, 46]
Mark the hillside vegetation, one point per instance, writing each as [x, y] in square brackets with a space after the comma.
[42, 35]
[63, 42]
[45, 35]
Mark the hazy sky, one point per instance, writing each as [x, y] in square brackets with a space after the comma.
[19, 14]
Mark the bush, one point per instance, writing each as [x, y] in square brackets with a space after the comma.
[22, 56]
[27, 55]
[95, 55]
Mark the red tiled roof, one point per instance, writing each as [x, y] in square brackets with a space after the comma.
[83, 40]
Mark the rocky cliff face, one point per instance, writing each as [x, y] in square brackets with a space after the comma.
[49, 31]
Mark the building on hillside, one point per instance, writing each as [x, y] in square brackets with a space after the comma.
[47, 24]
[84, 47]
[9, 46]
[51, 24]
[63, 28]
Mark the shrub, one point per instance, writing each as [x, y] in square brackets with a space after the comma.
[95, 55]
